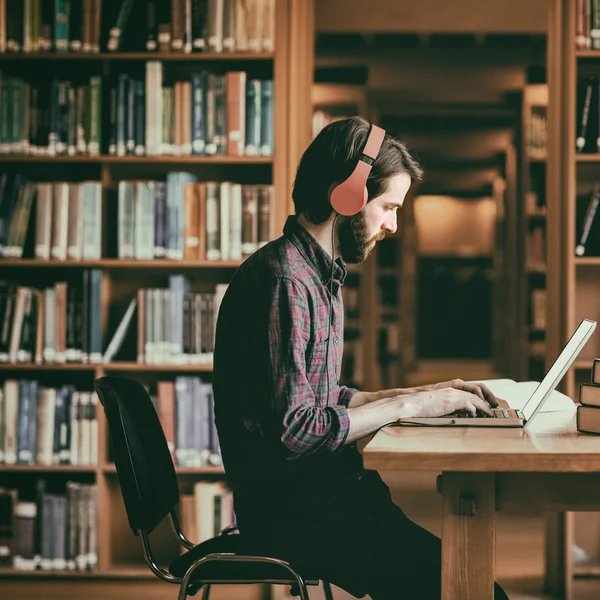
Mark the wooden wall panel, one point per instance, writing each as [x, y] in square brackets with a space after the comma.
[459, 16]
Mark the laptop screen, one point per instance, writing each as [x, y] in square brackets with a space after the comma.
[559, 368]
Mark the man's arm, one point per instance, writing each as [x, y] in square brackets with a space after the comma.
[293, 419]
[480, 389]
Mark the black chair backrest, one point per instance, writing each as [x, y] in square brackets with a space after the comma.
[144, 465]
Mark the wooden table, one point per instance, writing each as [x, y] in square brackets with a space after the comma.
[546, 466]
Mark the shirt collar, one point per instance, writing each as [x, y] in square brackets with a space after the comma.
[314, 253]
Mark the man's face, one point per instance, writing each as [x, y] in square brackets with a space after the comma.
[358, 234]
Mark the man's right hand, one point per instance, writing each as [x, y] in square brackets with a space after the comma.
[447, 400]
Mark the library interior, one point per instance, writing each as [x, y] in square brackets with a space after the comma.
[204, 108]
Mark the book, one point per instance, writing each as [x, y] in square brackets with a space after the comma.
[589, 395]
[588, 419]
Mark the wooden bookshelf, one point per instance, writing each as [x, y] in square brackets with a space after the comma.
[115, 263]
[141, 56]
[531, 211]
[138, 160]
[290, 66]
[573, 282]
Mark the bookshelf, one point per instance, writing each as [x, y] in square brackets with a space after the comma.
[572, 281]
[120, 571]
[532, 235]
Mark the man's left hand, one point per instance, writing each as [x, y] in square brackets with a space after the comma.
[479, 389]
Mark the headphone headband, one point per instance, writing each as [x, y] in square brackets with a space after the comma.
[350, 197]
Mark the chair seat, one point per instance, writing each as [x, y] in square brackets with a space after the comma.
[216, 571]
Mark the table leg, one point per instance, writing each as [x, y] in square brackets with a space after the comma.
[559, 544]
[468, 536]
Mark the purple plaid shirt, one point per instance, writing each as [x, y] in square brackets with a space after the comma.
[272, 408]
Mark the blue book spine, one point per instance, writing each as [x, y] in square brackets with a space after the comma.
[131, 118]
[181, 418]
[253, 114]
[160, 210]
[140, 118]
[25, 453]
[122, 114]
[198, 112]
[266, 118]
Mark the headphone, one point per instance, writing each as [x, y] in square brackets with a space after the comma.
[349, 198]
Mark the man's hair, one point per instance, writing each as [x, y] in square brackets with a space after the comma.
[332, 156]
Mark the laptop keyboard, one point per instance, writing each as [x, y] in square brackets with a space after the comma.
[500, 413]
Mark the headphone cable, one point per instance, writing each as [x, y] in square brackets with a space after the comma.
[330, 303]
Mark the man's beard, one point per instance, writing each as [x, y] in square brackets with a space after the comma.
[355, 245]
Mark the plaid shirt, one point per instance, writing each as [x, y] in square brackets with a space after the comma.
[272, 409]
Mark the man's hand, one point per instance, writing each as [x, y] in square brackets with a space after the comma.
[440, 401]
[480, 389]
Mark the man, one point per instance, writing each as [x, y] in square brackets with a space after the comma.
[287, 428]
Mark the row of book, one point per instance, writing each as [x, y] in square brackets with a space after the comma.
[57, 324]
[588, 240]
[50, 118]
[163, 25]
[587, 140]
[207, 511]
[177, 219]
[535, 247]
[66, 223]
[185, 409]
[174, 325]
[538, 309]
[54, 531]
[587, 34]
[47, 426]
[537, 132]
[588, 411]
[208, 114]
[184, 219]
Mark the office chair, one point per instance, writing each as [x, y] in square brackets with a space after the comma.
[150, 492]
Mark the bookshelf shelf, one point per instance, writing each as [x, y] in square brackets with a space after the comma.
[116, 263]
[583, 364]
[587, 53]
[587, 261]
[143, 367]
[209, 470]
[587, 158]
[112, 573]
[138, 160]
[49, 367]
[47, 468]
[144, 56]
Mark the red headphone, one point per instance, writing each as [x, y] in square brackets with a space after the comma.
[349, 197]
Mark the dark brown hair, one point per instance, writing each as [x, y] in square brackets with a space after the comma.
[332, 156]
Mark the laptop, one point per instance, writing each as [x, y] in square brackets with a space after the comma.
[508, 417]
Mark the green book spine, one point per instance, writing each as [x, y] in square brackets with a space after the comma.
[95, 115]
[61, 26]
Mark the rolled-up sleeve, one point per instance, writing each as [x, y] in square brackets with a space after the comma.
[302, 424]
[345, 395]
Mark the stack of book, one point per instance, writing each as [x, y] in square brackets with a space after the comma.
[588, 413]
